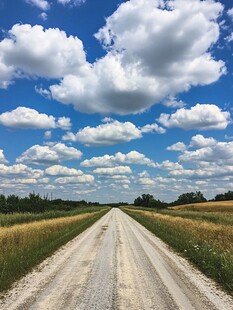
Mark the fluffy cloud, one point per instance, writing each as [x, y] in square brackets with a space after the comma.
[146, 181]
[64, 123]
[2, 158]
[26, 118]
[71, 2]
[133, 158]
[47, 135]
[207, 171]
[41, 4]
[179, 146]
[152, 128]
[229, 38]
[219, 153]
[49, 154]
[140, 67]
[201, 117]
[173, 103]
[112, 171]
[210, 159]
[20, 170]
[110, 133]
[85, 178]
[117, 82]
[62, 170]
[6, 72]
[168, 165]
[106, 134]
[53, 54]
[230, 13]
[43, 16]
[199, 141]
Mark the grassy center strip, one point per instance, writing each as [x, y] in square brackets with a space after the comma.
[24, 246]
[209, 246]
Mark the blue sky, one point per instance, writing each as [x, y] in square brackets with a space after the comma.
[107, 100]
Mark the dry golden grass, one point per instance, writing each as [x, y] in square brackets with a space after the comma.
[25, 234]
[211, 206]
[220, 234]
[25, 245]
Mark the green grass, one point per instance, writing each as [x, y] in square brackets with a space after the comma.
[214, 217]
[25, 246]
[206, 244]
[21, 218]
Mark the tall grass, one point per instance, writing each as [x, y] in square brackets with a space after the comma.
[214, 217]
[210, 206]
[23, 246]
[208, 245]
[20, 218]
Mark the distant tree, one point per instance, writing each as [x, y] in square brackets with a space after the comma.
[13, 203]
[3, 204]
[192, 197]
[229, 195]
[145, 200]
[148, 201]
[226, 196]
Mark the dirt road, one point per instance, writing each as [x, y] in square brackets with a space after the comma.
[115, 264]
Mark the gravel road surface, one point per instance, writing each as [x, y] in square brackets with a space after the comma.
[115, 264]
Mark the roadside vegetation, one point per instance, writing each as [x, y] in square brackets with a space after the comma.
[148, 201]
[210, 206]
[26, 245]
[10, 219]
[205, 238]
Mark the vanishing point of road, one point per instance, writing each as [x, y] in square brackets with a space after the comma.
[115, 264]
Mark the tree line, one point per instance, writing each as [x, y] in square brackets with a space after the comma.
[34, 203]
[147, 200]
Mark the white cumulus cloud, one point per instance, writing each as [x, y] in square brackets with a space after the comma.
[26, 118]
[47, 135]
[42, 52]
[2, 157]
[72, 2]
[41, 4]
[111, 132]
[146, 181]
[62, 170]
[179, 146]
[20, 170]
[106, 134]
[43, 16]
[49, 154]
[230, 13]
[219, 153]
[133, 158]
[200, 116]
[85, 178]
[199, 141]
[112, 171]
[154, 50]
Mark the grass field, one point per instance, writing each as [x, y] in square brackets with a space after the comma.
[211, 206]
[21, 218]
[206, 239]
[24, 246]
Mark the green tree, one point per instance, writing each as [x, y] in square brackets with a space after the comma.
[145, 200]
[3, 204]
[13, 203]
[192, 197]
